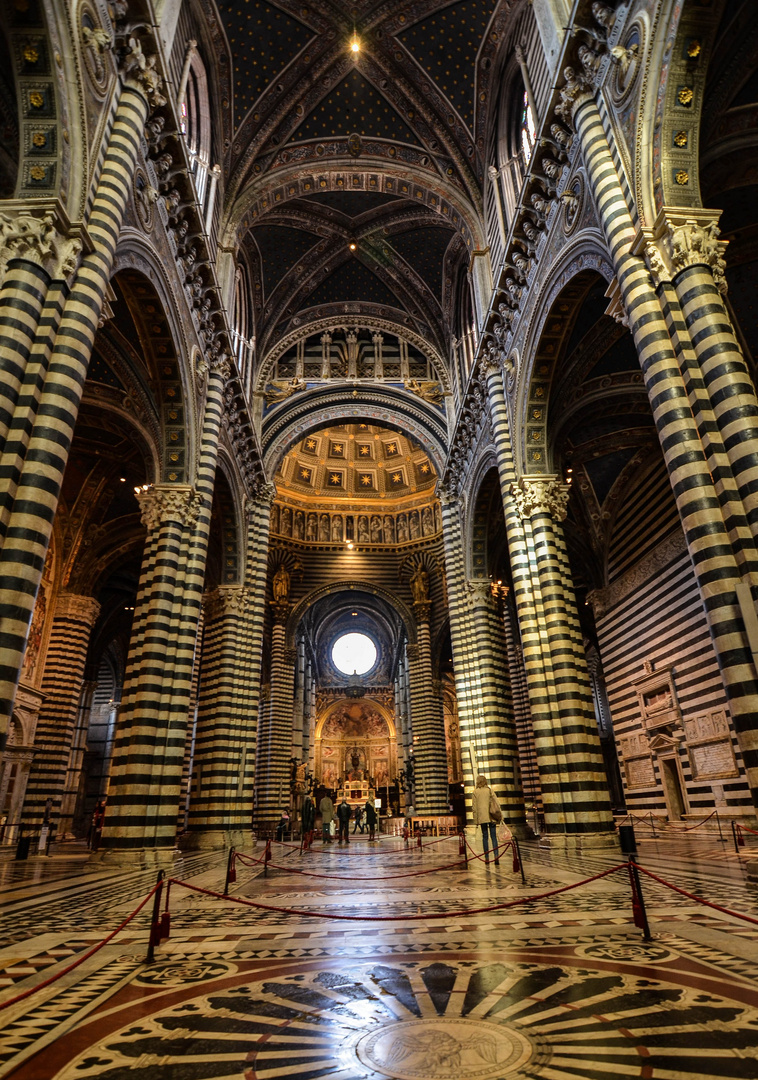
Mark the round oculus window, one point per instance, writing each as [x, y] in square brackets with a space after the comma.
[354, 654]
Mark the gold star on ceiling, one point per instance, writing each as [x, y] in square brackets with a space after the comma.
[397, 478]
[365, 451]
[305, 474]
[424, 468]
[337, 448]
[366, 480]
[391, 448]
[311, 444]
[335, 478]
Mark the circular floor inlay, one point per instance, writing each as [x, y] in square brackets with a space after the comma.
[444, 1050]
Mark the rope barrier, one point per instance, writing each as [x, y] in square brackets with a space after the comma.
[692, 896]
[344, 850]
[85, 956]
[397, 918]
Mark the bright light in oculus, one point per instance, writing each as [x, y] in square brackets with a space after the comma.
[354, 653]
[355, 45]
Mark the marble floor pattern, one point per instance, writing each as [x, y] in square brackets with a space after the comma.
[562, 987]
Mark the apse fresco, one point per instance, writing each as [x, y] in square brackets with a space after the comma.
[355, 743]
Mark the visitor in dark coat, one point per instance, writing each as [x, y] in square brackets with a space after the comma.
[344, 814]
[371, 819]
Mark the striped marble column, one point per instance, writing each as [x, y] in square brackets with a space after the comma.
[220, 807]
[714, 562]
[572, 776]
[274, 748]
[22, 297]
[498, 759]
[30, 519]
[432, 793]
[62, 683]
[463, 645]
[521, 713]
[148, 752]
[697, 258]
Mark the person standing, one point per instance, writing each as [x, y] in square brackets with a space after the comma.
[343, 820]
[371, 819]
[283, 827]
[358, 819]
[326, 806]
[308, 820]
[487, 813]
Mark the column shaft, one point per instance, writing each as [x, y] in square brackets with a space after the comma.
[713, 558]
[432, 791]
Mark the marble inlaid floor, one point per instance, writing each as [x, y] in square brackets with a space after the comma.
[564, 987]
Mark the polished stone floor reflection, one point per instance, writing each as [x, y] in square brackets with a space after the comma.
[564, 987]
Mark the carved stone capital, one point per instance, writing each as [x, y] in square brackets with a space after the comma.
[479, 594]
[412, 652]
[616, 308]
[264, 493]
[226, 600]
[160, 505]
[543, 495]
[682, 237]
[72, 607]
[42, 236]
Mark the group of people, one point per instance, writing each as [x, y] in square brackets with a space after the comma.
[485, 806]
[364, 817]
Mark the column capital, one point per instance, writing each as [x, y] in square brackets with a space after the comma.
[479, 594]
[43, 235]
[281, 611]
[412, 651]
[160, 503]
[422, 610]
[227, 600]
[682, 237]
[544, 495]
[75, 608]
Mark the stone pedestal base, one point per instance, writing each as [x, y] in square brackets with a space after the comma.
[135, 858]
[216, 840]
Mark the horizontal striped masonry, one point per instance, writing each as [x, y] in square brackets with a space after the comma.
[274, 747]
[428, 723]
[527, 753]
[553, 681]
[150, 745]
[573, 781]
[220, 743]
[699, 507]
[652, 613]
[62, 686]
[719, 465]
[465, 668]
[725, 376]
[22, 298]
[496, 717]
[30, 520]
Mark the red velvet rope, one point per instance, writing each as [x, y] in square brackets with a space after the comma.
[85, 956]
[745, 828]
[697, 899]
[398, 918]
[393, 877]
[691, 828]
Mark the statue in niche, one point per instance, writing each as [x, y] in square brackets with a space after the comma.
[323, 529]
[336, 529]
[363, 533]
[311, 527]
[402, 528]
[299, 526]
[286, 521]
[428, 521]
[274, 519]
[281, 585]
[415, 525]
[438, 518]
[376, 529]
[419, 583]
[389, 529]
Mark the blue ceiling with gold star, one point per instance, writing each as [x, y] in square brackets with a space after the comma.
[424, 249]
[353, 281]
[354, 105]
